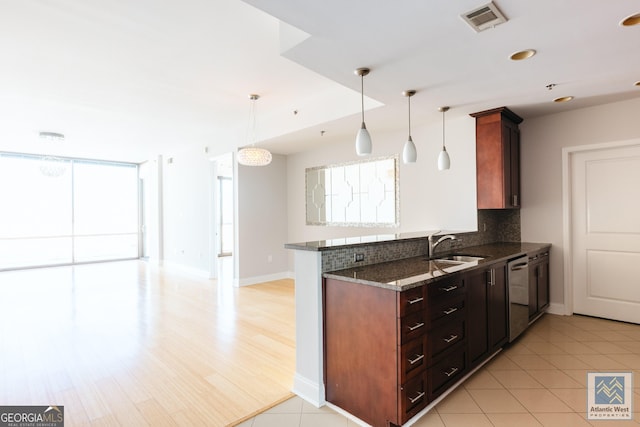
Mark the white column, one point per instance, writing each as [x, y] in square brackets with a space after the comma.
[308, 381]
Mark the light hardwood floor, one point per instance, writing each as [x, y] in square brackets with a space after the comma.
[133, 344]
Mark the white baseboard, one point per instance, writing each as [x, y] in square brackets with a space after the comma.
[309, 390]
[248, 281]
[559, 309]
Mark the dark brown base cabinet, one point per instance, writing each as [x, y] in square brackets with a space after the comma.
[387, 353]
[538, 284]
[488, 311]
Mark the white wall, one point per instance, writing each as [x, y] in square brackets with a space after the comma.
[429, 199]
[151, 175]
[187, 186]
[262, 222]
[542, 141]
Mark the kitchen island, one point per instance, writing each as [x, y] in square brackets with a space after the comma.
[405, 333]
[393, 266]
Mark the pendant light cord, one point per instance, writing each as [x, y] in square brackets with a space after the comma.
[443, 130]
[362, 95]
[251, 131]
[409, 116]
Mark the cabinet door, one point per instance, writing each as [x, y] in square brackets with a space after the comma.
[477, 320]
[498, 307]
[497, 158]
[543, 284]
[512, 176]
[533, 290]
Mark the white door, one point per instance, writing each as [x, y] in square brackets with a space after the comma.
[605, 230]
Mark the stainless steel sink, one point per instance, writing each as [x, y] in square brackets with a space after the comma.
[460, 258]
[443, 262]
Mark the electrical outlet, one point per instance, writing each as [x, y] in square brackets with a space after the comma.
[358, 257]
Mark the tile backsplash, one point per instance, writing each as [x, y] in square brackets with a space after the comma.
[494, 225]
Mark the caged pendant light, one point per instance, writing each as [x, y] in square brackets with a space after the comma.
[363, 139]
[409, 153]
[252, 155]
[443, 159]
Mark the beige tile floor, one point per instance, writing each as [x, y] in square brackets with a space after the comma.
[539, 380]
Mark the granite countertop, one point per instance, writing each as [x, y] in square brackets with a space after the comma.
[408, 273]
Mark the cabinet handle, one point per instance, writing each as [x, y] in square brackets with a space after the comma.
[416, 326]
[451, 338]
[416, 360]
[449, 288]
[418, 397]
[451, 372]
[515, 200]
[491, 277]
[413, 301]
[450, 310]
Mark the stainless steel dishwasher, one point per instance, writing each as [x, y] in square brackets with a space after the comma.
[518, 296]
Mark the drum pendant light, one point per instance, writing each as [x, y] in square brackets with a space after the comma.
[409, 153]
[252, 155]
[363, 139]
[443, 159]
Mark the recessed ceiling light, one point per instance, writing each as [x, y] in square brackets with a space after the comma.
[637, 83]
[563, 99]
[523, 54]
[51, 136]
[631, 20]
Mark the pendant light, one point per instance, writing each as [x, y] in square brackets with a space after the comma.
[409, 153]
[52, 166]
[363, 139]
[252, 155]
[443, 159]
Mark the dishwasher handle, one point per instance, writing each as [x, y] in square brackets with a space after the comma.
[519, 266]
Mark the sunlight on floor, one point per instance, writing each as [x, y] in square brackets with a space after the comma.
[127, 343]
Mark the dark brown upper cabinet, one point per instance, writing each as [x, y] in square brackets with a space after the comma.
[498, 159]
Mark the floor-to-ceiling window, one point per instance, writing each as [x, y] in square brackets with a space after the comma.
[62, 211]
[225, 204]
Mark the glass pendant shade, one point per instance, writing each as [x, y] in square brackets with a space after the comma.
[254, 156]
[364, 146]
[409, 152]
[443, 160]
[363, 142]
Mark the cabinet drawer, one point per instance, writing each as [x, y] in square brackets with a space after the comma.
[413, 397]
[446, 372]
[445, 337]
[447, 308]
[412, 326]
[445, 289]
[411, 301]
[413, 358]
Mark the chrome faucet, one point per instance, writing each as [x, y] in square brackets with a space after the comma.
[432, 245]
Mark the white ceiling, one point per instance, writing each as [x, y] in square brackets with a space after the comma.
[127, 80]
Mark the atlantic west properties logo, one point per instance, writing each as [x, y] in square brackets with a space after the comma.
[609, 396]
[32, 416]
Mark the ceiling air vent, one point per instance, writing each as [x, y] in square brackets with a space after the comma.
[484, 17]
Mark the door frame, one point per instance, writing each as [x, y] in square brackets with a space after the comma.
[567, 214]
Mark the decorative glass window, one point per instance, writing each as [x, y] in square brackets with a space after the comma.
[355, 194]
